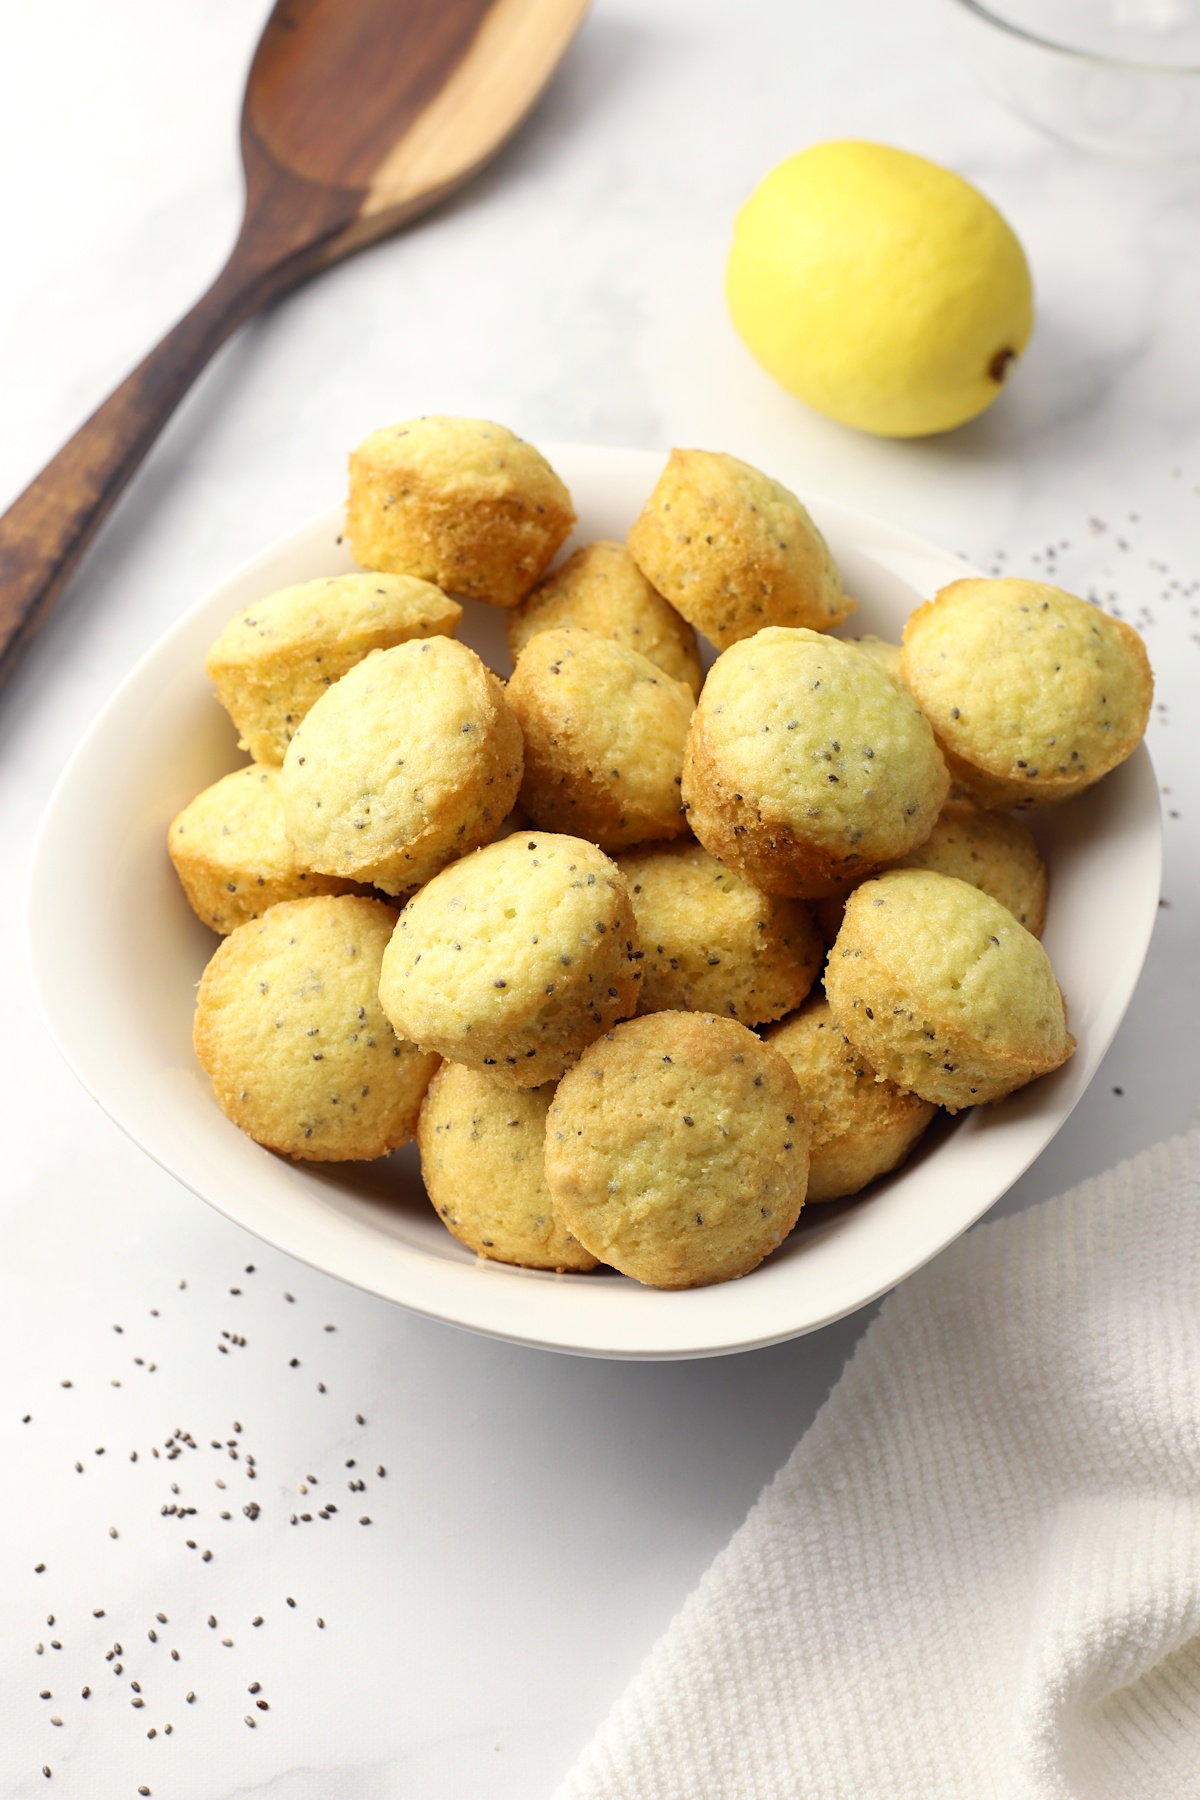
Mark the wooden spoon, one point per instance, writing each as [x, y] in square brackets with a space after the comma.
[358, 116]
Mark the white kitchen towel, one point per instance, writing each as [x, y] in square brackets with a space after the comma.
[978, 1575]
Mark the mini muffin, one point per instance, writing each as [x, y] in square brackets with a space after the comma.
[461, 502]
[807, 766]
[290, 1030]
[482, 1164]
[677, 1149]
[410, 760]
[991, 850]
[604, 733]
[712, 942]
[514, 959]
[885, 655]
[601, 588]
[733, 550]
[994, 852]
[945, 994]
[1034, 695]
[829, 912]
[232, 854]
[275, 660]
[862, 1126]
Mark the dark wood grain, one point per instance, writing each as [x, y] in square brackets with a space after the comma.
[295, 101]
[339, 93]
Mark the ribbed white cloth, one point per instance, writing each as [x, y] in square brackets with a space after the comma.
[978, 1575]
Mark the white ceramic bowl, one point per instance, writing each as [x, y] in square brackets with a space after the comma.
[117, 952]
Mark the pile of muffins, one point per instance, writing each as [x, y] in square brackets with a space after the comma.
[642, 961]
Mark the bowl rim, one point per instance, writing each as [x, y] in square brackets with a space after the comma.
[478, 1296]
[1097, 58]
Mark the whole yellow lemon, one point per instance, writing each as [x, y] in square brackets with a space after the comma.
[879, 288]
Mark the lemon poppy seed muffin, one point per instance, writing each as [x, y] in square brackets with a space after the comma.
[482, 1162]
[942, 990]
[410, 760]
[862, 1126]
[604, 732]
[885, 655]
[601, 588]
[232, 854]
[733, 550]
[992, 850]
[460, 502]
[512, 960]
[677, 1149]
[273, 662]
[807, 766]
[290, 1031]
[1033, 693]
[712, 943]
[829, 912]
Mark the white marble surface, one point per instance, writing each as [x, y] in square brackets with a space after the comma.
[540, 1517]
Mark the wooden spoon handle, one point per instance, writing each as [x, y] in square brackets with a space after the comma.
[45, 531]
[291, 228]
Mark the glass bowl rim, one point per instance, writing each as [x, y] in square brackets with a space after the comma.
[1097, 58]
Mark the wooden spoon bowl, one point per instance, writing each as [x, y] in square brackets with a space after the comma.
[358, 116]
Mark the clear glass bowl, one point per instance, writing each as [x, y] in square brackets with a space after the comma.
[1118, 76]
